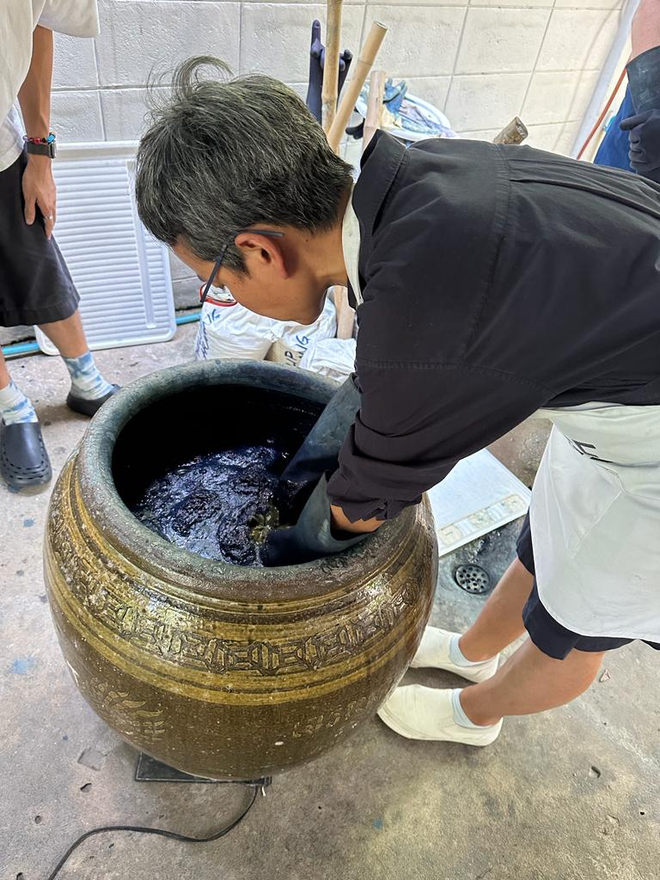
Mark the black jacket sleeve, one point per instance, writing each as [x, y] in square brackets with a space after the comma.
[415, 423]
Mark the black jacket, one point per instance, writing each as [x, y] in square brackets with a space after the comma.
[496, 280]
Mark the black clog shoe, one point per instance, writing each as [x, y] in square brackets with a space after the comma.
[88, 407]
[23, 457]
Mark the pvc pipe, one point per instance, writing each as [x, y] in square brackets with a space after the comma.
[21, 348]
[187, 319]
[607, 75]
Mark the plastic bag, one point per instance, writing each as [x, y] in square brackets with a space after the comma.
[406, 116]
[229, 330]
[294, 340]
[332, 358]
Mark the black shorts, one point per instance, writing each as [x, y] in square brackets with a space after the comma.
[548, 635]
[35, 285]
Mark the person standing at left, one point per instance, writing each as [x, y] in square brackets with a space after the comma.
[35, 284]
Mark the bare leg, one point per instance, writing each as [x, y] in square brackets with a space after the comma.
[89, 389]
[67, 336]
[5, 378]
[646, 27]
[529, 682]
[500, 621]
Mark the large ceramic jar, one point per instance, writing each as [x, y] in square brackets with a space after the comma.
[223, 671]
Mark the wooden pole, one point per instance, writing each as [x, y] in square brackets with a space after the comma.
[374, 106]
[353, 88]
[345, 314]
[513, 133]
[331, 65]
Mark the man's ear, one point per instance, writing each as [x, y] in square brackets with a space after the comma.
[262, 252]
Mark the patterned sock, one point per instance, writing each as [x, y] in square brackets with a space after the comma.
[86, 381]
[15, 407]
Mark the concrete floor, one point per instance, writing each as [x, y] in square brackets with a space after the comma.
[567, 795]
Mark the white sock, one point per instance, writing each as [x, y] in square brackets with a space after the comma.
[459, 713]
[86, 381]
[456, 655]
[15, 407]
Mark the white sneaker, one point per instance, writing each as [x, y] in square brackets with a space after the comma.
[418, 712]
[433, 652]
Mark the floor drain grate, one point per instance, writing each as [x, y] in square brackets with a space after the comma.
[472, 579]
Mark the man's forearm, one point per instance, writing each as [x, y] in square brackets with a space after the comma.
[34, 97]
[34, 94]
[645, 32]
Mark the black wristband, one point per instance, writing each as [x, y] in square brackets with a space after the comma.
[41, 149]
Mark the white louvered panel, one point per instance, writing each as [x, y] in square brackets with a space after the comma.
[122, 273]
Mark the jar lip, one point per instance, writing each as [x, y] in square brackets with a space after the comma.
[187, 570]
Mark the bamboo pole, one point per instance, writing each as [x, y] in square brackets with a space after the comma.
[353, 88]
[331, 64]
[374, 106]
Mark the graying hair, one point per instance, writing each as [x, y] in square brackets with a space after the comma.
[223, 154]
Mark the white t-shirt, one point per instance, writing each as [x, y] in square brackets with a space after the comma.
[18, 19]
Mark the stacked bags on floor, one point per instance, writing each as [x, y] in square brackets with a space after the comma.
[229, 330]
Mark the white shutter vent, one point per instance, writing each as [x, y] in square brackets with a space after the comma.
[122, 273]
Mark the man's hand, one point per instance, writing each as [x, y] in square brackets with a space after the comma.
[312, 537]
[341, 523]
[644, 129]
[39, 192]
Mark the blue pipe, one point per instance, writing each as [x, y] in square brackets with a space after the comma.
[188, 319]
[21, 348]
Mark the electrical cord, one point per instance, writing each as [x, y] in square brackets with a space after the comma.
[161, 832]
[599, 121]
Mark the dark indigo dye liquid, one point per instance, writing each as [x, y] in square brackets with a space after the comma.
[214, 504]
[200, 467]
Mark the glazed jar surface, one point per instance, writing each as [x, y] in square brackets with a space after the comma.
[223, 671]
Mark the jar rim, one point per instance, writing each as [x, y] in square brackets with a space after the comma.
[188, 571]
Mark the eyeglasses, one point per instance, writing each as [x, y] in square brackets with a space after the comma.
[223, 253]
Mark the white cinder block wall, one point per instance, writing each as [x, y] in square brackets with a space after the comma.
[482, 61]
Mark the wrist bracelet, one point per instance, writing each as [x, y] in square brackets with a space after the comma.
[41, 146]
[47, 140]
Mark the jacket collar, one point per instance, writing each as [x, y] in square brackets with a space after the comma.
[380, 164]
